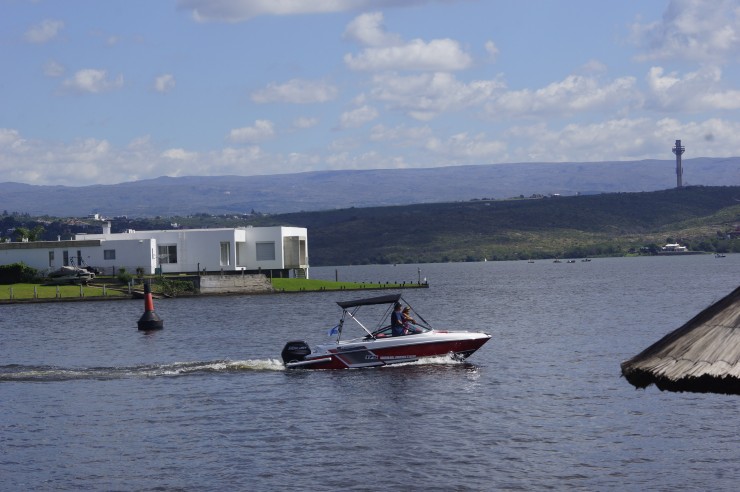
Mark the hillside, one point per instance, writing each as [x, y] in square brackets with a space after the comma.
[607, 224]
[328, 190]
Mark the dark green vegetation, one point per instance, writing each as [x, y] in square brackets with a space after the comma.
[566, 227]
[595, 225]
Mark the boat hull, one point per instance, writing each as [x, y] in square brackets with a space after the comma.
[395, 350]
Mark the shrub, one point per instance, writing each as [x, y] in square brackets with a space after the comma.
[123, 276]
[174, 288]
[17, 273]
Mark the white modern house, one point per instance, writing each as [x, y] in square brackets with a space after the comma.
[276, 250]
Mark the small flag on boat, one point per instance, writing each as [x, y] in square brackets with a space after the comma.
[333, 331]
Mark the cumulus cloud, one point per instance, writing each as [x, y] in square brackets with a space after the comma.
[573, 94]
[358, 117]
[11, 139]
[424, 96]
[261, 130]
[296, 91]
[387, 51]
[53, 68]
[179, 154]
[92, 81]
[491, 49]
[463, 146]
[164, 83]
[304, 122]
[694, 91]
[368, 30]
[436, 55]
[401, 134]
[43, 32]
[242, 10]
[691, 30]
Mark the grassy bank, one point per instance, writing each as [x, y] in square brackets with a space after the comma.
[308, 285]
[29, 292]
[21, 292]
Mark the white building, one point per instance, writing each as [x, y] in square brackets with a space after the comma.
[279, 250]
[674, 247]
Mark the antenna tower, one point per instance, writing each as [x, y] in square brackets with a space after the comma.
[679, 149]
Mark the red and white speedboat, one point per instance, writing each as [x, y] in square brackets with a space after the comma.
[378, 347]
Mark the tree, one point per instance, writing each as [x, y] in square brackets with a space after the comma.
[30, 234]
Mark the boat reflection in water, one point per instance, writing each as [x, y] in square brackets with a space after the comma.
[378, 347]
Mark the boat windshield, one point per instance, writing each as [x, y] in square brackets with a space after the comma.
[385, 332]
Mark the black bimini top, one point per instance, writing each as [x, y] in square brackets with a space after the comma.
[389, 299]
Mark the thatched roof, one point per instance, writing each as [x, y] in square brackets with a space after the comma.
[701, 356]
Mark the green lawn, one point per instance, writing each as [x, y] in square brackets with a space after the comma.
[37, 291]
[300, 284]
[26, 291]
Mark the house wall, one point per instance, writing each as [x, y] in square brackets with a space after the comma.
[130, 254]
[250, 248]
[286, 243]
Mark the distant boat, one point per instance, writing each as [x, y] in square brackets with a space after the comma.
[530, 261]
[719, 255]
[571, 261]
[557, 261]
[586, 259]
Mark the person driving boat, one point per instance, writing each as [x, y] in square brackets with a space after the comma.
[397, 328]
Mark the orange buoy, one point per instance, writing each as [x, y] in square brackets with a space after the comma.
[149, 320]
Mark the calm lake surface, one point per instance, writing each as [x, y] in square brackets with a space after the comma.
[90, 403]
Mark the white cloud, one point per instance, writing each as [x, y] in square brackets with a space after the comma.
[492, 50]
[91, 161]
[92, 81]
[43, 32]
[11, 140]
[573, 94]
[305, 122]
[692, 30]
[296, 91]
[436, 55]
[179, 154]
[358, 117]
[368, 30]
[261, 130]
[164, 83]
[53, 68]
[407, 136]
[424, 96]
[387, 51]
[242, 10]
[695, 91]
[466, 147]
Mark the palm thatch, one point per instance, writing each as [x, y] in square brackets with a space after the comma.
[701, 356]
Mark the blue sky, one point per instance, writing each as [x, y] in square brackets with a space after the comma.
[121, 90]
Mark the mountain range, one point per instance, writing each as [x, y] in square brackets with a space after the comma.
[326, 190]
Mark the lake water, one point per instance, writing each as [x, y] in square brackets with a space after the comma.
[91, 403]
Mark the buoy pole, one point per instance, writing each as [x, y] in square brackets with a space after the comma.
[149, 320]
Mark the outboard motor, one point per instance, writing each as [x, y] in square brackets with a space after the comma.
[295, 351]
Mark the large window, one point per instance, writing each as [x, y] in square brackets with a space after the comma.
[167, 253]
[109, 254]
[265, 251]
[225, 253]
[51, 258]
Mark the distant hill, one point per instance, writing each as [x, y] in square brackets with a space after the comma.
[328, 190]
[565, 227]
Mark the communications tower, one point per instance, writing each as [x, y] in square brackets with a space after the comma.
[679, 149]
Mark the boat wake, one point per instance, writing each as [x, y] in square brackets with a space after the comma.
[19, 373]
